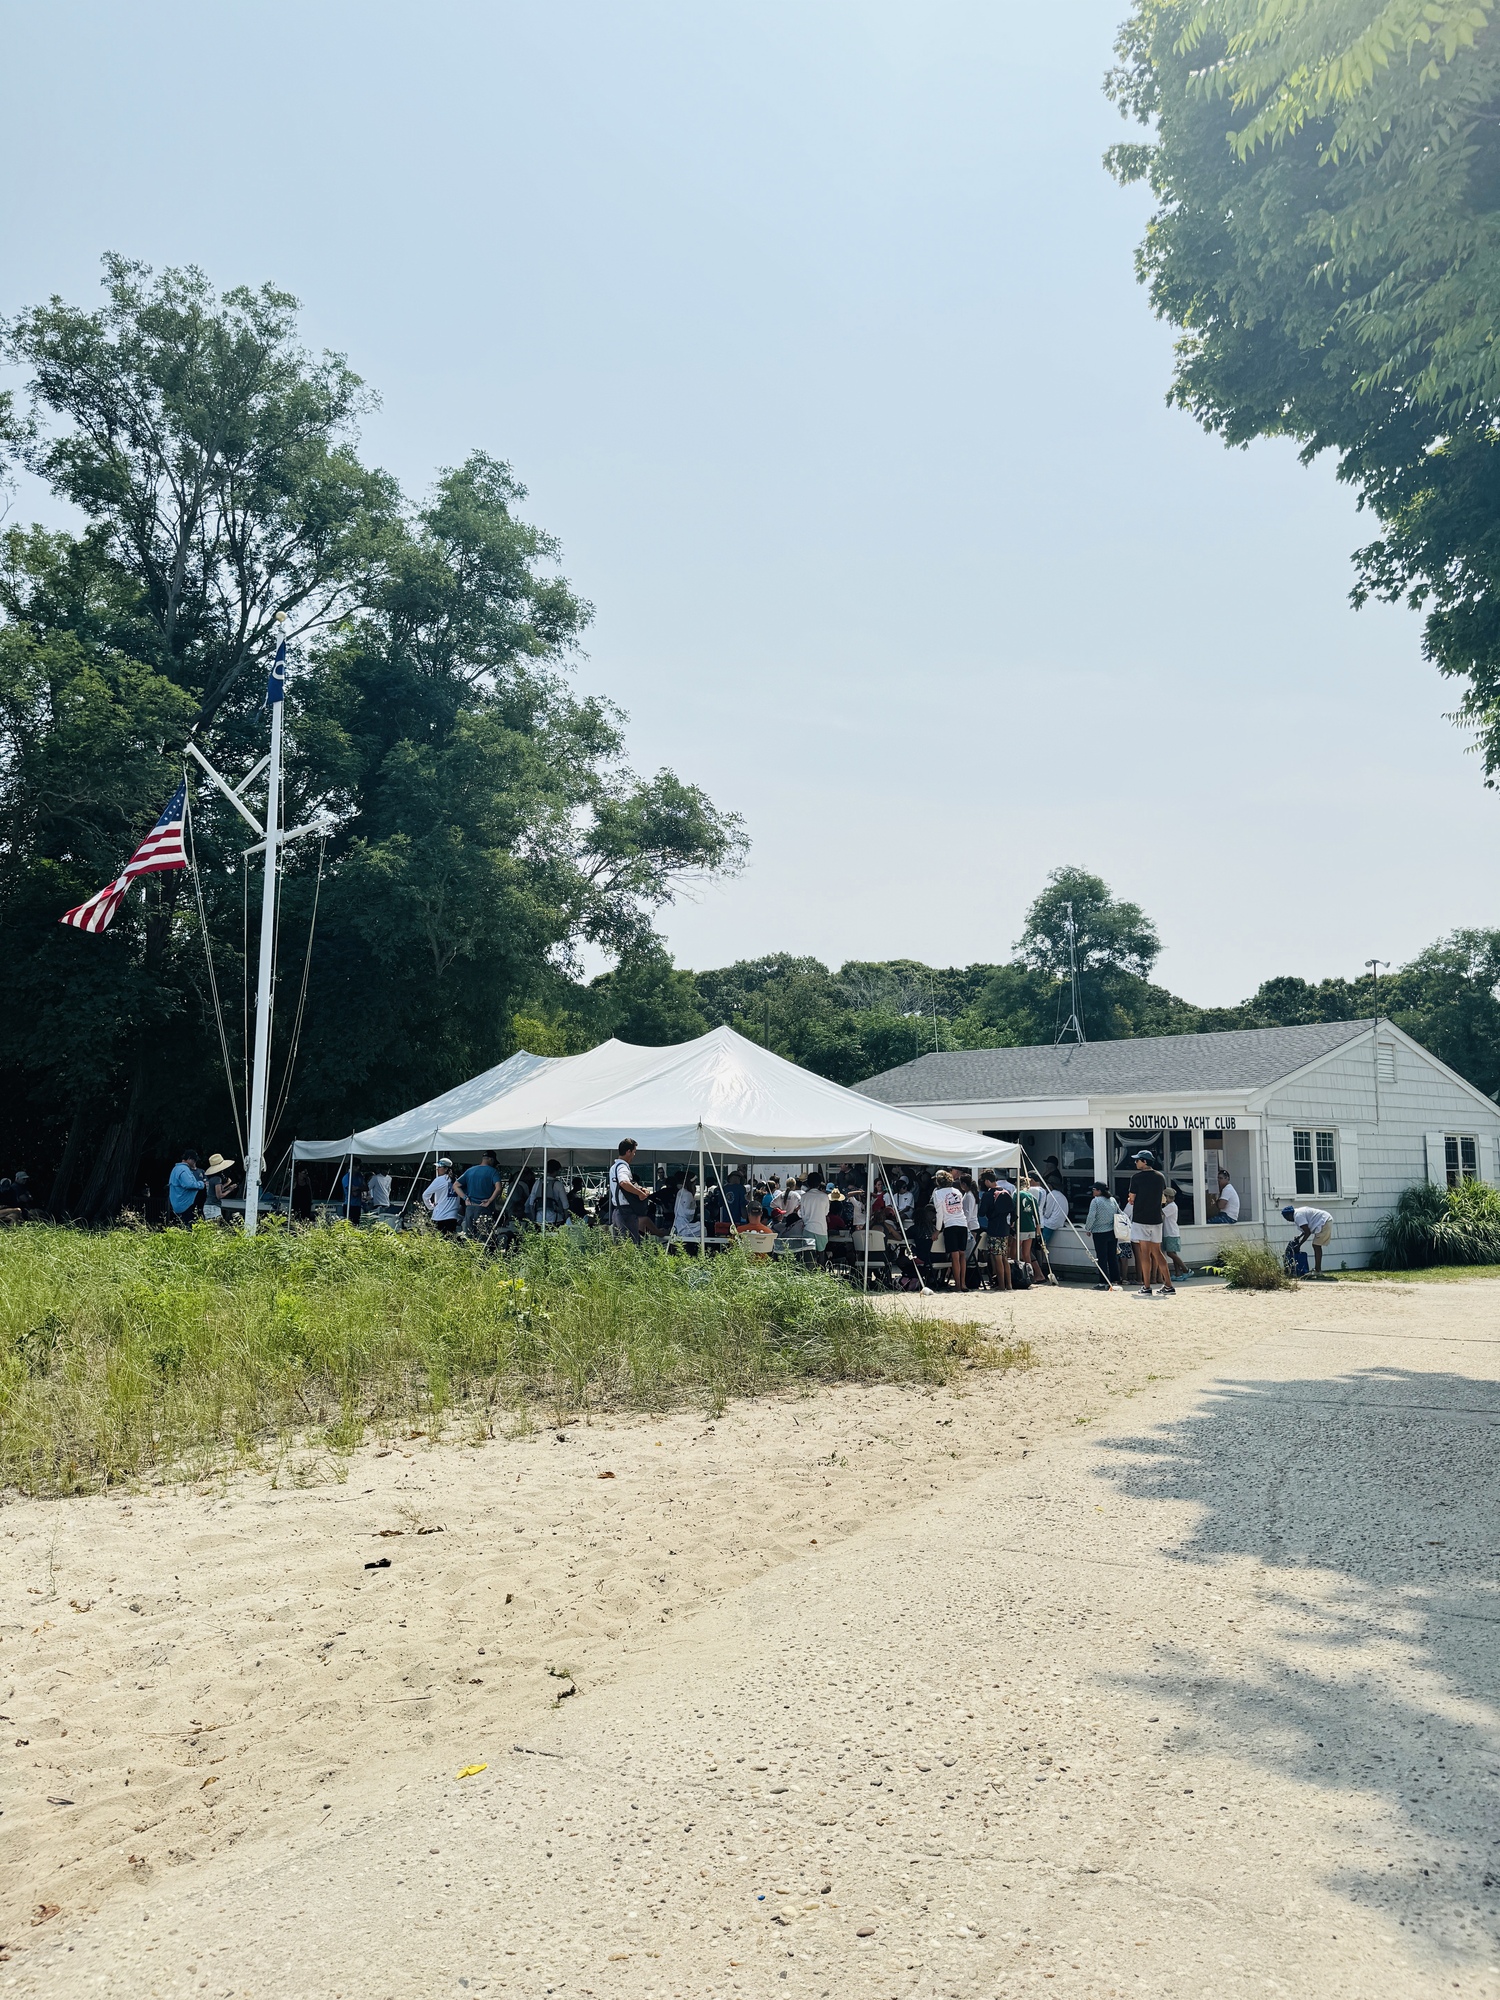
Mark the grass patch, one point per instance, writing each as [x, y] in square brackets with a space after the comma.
[1254, 1267]
[131, 1354]
[1433, 1274]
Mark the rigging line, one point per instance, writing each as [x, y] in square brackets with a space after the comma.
[213, 982]
[284, 1094]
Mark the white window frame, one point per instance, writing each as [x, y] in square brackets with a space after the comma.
[1315, 1159]
[1456, 1168]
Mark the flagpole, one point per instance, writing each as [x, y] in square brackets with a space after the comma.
[260, 1077]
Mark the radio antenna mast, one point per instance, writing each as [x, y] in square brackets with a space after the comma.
[1073, 1027]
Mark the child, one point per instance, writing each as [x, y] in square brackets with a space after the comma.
[1171, 1242]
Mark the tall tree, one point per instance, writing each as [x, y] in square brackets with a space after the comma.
[1327, 235]
[484, 822]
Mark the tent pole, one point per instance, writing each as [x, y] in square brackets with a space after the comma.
[544, 1177]
[916, 1266]
[411, 1191]
[702, 1212]
[733, 1226]
[869, 1204]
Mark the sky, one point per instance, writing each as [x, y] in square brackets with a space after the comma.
[812, 330]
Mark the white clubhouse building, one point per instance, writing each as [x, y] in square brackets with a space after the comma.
[1338, 1115]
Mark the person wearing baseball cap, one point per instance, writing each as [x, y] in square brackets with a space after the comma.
[442, 1200]
[1143, 1204]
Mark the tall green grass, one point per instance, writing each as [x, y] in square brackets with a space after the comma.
[1433, 1225]
[1254, 1267]
[133, 1354]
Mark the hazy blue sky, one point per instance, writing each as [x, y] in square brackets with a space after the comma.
[812, 329]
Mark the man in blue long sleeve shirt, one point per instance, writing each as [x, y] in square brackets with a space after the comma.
[183, 1189]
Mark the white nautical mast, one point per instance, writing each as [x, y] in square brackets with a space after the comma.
[273, 842]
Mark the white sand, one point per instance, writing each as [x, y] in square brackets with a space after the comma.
[230, 1700]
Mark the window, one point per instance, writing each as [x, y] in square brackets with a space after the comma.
[1462, 1151]
[1315, 1157]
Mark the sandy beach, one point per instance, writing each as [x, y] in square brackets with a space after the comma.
[206, 1690]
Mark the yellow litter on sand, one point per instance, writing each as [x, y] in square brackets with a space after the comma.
[471, 1770]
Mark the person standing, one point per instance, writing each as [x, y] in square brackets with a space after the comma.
[218, 1187]
[948, 1213]
[1315, 1226]
[442, 1200]
[353, 1185]
[812, 1211]
[1101, 1227]
[997, 1218]
[1054, 1213]
[185, 1189]
[686, 1227]
[1145, 1201]
[549, 1198]
[302, 1195]
[480, 1187]
[629, 1202]
[378, 1187]
[1171, 1240]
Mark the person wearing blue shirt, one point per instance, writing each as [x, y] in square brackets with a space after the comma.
[354, 1192]
[184, 1189]
[734, 1198]
[479, 1185]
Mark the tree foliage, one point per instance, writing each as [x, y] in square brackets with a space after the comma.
[1327, 236]
[484, 823]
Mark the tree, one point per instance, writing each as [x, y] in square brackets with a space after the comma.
[1107, 935]
[213, 458]
[1333, 258]
[484, 822]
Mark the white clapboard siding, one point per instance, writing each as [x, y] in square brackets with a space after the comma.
[1348, 1159]
[1437, 1159]
[1283, 1166]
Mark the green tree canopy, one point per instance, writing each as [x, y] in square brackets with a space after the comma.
[484, 822]
[1327, 236]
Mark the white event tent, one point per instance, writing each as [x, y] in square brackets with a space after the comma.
[717, 1095]
[411, 1133]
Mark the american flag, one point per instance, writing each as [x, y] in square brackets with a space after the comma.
[161, 850]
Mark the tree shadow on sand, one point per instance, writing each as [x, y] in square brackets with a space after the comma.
[1370, 1503]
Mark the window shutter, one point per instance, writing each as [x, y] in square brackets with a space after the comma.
[1437, 1160]
[1348, 1159]
[1283, 1168]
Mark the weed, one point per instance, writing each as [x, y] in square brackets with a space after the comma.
[133, 1355]
[1254, 1267]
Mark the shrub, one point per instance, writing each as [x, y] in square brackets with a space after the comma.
[1255, 1267]
[132, 1352]
[1433, 1225]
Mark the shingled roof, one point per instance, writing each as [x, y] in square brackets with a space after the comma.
[1237, 1059]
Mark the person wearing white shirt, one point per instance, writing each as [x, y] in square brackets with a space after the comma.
[442, 1200]
[948, 1212]
[1054, 1213]
[686, 1225]
[380, 1190]
[1313, 1225]
[1228, 1209]
[812, 1208]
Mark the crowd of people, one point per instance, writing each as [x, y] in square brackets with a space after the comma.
[919, 1228]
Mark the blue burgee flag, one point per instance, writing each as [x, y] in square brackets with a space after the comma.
[276, 685]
